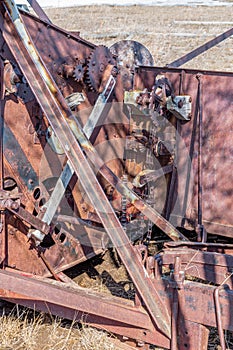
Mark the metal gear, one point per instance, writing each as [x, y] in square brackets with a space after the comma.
[78, 72]
[129, 54]
[98, 60]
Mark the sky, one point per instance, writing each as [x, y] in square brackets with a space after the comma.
[62, 3]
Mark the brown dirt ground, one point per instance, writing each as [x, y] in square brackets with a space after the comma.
[168, 32]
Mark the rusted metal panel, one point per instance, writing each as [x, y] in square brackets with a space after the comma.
[205, 296]
[192, 336]
[217, 109]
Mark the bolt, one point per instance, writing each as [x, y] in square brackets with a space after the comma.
[180, 104]
[14, 205]
[114, 71]
[43, 210]
[12, 232]
[67, 147]
[102, 67]
[140, 344]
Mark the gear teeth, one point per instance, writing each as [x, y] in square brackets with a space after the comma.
[88, 83]
[88, 78]
[90, 87]
[101, 56]
[78, 72]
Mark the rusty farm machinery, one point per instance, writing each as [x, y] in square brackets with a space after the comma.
[100, 149]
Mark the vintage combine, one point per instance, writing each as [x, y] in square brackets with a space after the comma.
[101, 150]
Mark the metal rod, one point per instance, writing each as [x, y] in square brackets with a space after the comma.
[4, 241]
[200, 154]
[190, 162]
[1, 148]
[188, 57]
[34, 221]
[200, 228]
[171, 191]
[175, 303]
[218, 317]
[1, 122]
[200, 245]
[39, 11]
[3, 231]
[174, 316]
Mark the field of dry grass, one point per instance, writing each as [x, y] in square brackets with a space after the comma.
[168, 32]
[24, 330]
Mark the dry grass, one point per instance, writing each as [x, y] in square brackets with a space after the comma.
[25, 331]
[105, 275]
[21, 329]
[168, 32]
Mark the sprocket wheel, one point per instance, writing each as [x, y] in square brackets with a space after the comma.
[98, 60]
[78, 72]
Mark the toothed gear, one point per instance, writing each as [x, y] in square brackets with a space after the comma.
[78, 72]
[98, 60]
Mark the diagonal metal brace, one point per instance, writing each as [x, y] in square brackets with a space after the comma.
[199, 50]
[38, 10]
[94, 119]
